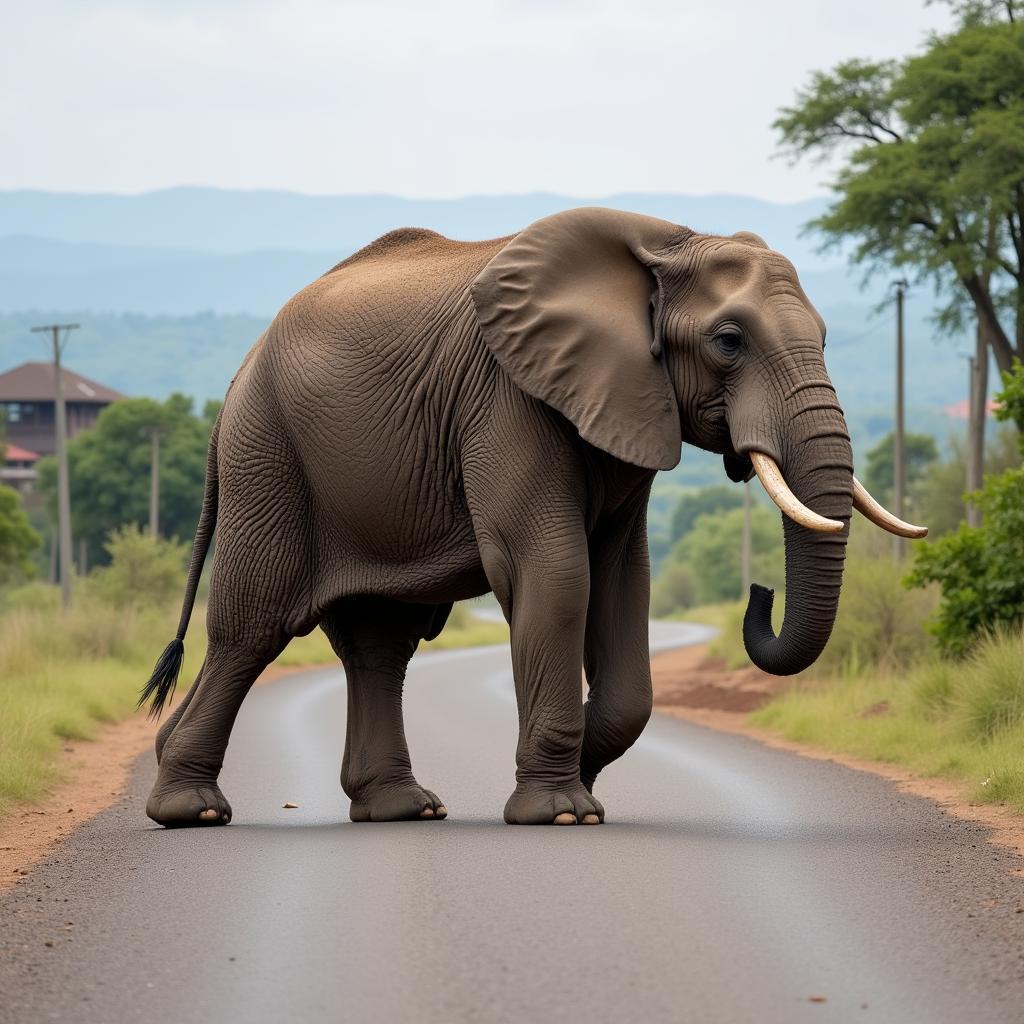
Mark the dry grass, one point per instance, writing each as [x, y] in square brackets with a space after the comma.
[63, 676]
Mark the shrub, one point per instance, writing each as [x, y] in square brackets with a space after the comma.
[143, 570]
[978, 568]
[879, 624]
[17, 539]
[675, 590]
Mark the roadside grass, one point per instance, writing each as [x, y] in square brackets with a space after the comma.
[62, 677]
[963, 721]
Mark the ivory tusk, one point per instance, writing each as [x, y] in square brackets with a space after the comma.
[871, 510]
[778, 490]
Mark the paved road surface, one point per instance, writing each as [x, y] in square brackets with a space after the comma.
[731, 883]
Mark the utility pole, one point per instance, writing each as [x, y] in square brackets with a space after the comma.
[61, 436]
[746, 572]
[899, 471]
[154, 485]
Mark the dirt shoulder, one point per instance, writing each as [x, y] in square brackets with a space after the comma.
[95, 774]
[694, 686]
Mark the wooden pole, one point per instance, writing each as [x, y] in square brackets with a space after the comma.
[898, 463]
[66, 559]
[154, 486]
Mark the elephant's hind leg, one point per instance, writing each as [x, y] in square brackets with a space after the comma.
[375, 638]
[186, 791]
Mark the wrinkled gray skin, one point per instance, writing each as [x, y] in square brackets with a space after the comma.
[433, 419]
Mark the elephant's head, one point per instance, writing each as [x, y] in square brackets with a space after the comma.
[645, 334]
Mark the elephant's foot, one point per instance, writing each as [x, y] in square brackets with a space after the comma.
[404, 801]
[188, 806]
[535, 804]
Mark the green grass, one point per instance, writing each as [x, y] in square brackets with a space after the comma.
[63, 677]
[961, 721]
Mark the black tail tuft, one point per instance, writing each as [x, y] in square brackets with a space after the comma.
[164, 678]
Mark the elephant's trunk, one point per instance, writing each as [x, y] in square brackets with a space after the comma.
[818, 469]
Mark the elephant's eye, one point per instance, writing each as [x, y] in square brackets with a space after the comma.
[729, 343]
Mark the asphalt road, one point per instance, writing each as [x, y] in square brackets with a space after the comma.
[730, 883]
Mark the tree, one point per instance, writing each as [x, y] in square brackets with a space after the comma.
[712, 551]
[110, 470]
[18, 540]
[935, 179]
[706, 501]
[919, 452]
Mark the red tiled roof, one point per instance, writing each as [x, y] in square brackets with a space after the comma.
[961, 410]
[15, 453]
[33, 382]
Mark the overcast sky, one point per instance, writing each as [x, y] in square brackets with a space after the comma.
[423, 97]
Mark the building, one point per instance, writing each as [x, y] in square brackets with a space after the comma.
[19, 468]
[29, 407]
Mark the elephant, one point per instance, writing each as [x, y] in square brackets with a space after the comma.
[432, 420]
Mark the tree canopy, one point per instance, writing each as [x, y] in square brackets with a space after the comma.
[933, 179]
[109, 469]
[919, 452]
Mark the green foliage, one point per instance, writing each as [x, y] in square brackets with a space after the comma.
[937, 498]
[143, 570]
[935, 179]
[706, 501]
[1011, 398]
[879, 624]
[18, 540]
[919, 452]
[109, 468]
[712, 550]
[978, 568]
[674, 590]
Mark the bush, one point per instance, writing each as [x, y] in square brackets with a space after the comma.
[675, 590]
[879, 624]
[17, 539]
[978, 568]
[143, 570]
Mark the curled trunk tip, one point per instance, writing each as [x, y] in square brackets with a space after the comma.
[768, 652]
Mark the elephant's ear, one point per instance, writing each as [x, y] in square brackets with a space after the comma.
[566, 308]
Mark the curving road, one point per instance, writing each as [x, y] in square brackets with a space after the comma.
[731, 883]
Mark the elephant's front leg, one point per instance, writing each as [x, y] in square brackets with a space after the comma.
[549, 607]
[616, 649]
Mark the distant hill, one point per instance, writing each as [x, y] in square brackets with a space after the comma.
[233, 221]
[172, 287]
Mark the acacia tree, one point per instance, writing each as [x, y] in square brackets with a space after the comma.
[933, 179]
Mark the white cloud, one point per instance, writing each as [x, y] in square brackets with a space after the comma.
[424, 98]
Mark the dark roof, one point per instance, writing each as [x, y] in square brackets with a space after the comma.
[33, 382]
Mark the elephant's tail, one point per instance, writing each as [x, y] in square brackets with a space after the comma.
[162, 682]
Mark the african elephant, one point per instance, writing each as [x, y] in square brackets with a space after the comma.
[432, 420]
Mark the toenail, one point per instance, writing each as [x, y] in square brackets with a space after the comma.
[426, 813]
[591, 819]
[565, 818]
[208, 814]
[442, 811]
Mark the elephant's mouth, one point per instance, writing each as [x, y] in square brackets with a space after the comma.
[738, 468]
